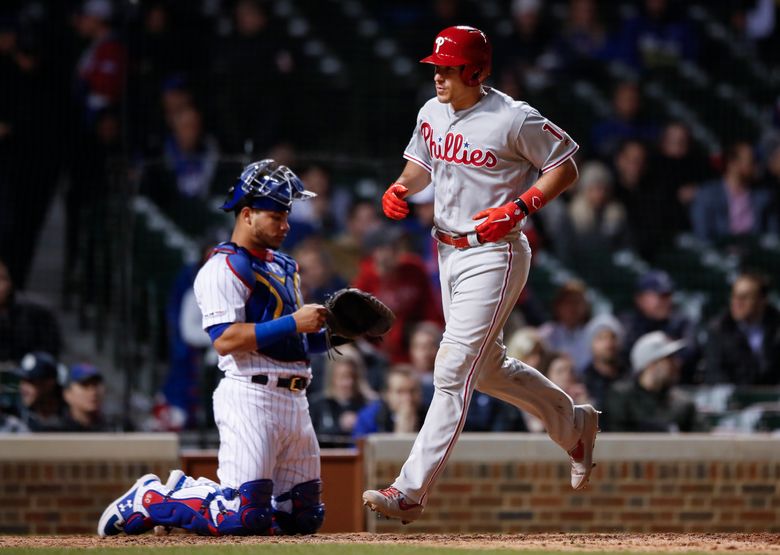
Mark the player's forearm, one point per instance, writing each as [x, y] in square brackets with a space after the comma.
[556, 181]
[414, 177]
[247, 337]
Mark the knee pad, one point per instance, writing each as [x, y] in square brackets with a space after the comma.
[255, 509]
[308, 512]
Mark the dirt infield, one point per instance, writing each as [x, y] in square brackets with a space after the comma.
[741, 543]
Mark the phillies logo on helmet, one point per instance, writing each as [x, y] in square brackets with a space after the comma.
[439, 43]
[452, 148]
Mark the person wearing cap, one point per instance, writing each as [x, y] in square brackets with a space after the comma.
[41, 406]
[743, 343]
[605, 337]
[647, 401]
[398, 279]
[654, 310]
[83, 391]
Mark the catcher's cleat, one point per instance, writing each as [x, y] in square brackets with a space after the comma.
[391, 503]
[126, 513]
[581, 455]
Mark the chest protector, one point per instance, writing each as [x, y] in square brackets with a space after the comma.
[275, 292]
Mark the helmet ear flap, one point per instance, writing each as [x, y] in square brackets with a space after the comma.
[471, 74]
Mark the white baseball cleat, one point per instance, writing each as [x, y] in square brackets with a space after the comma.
[126, 513]
[581, 455]
[391, 503]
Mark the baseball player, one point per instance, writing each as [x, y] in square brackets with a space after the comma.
[493, 161]
[269, 459]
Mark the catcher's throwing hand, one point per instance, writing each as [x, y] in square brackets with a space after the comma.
[393, 203]
[499, 222]
[310, 318]
[353, 313]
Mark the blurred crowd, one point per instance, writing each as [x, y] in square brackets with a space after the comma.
[171, 93]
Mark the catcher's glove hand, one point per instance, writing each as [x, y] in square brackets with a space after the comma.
[353, 313]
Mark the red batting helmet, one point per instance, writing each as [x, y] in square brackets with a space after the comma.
[463, 46]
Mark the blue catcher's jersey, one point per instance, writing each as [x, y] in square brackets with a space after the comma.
[274, 285]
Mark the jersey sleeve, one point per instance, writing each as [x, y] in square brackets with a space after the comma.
[543, 143]
[417, 151]
[221, 294]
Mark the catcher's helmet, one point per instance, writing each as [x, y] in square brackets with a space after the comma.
[266, 185]
[463, 46]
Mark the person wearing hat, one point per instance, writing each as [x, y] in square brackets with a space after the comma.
[605, 336]
[654, 310]
[647, 401]
[398, 279]
[83, 391]
[41, 406]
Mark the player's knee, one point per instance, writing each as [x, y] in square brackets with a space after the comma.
[308, 511]
[255, 511]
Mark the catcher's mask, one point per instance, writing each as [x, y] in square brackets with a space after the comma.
[466, 47]
[266, 185]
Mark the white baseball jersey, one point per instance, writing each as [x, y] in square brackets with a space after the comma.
[483, 156]
[222, 298]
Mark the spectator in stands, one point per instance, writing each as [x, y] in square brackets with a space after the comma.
[634, 190]
[654, 310]
[334, 411]
[562, 373]
[24, 326]
[598, 221]
[648, 402]
[731, 206]
[566, 332]
[399, 280]
[318, 278]
[86, 204]
[83, 391]
[743, 344]
[423, 345]
[41, 407]
[584, 40]
[675, 173]
[527, 49]
[190, 154]
[346, 249]
[605, 337]
[400, 409]
[315, 216]
[249, 115]
[101, 71]
[626, 122]
[658, 36]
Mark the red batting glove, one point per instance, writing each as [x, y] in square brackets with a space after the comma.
[500, 221]
[393, 204]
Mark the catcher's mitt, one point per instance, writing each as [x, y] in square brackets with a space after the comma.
[354, 313]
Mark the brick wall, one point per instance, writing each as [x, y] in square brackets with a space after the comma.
[60, 484]
[516, 483]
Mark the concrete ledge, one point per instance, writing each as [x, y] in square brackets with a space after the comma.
[517, 447]
[89, 447]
